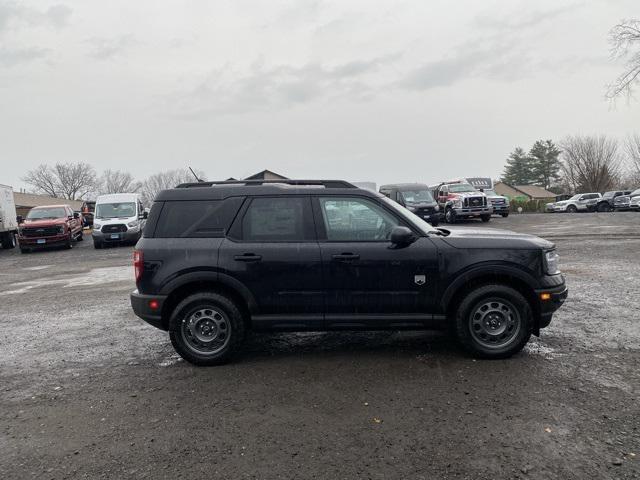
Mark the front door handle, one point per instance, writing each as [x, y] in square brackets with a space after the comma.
[345, 257]
[248, 257]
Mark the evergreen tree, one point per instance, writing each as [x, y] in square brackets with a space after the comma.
[545, 163]
[517, 171]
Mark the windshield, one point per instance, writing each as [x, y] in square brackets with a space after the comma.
[461, 187]
[116, 210]
[635, 193]
[38, 213]
[608, 194]
[491, 193]
[416, 196]
[425, 227]
[576, 196]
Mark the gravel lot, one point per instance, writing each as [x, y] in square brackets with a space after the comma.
[87, 390]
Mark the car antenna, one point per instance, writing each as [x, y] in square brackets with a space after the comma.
[194, 174]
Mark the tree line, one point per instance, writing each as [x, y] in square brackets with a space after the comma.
[579, 163]
[79, 180]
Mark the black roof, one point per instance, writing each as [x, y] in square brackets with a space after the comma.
[220, 190]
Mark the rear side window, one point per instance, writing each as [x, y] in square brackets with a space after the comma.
[280, 219]
[195, 218]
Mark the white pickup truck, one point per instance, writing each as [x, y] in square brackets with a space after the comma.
[8, 220]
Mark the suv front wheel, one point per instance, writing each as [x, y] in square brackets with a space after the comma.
[493, 321]
[206, 328]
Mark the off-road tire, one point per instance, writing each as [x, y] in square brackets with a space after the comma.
[487, 294]
[604, 207]
[80, 237]
[504, 215]
[485, 218]
[69, 244]
[217, 302]
[97, 245]
[8, 240]
[25, 250]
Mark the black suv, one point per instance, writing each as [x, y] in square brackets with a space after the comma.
[607, 202]
[220, 258]
[415, 197]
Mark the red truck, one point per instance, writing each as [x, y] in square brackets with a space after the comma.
[49, 226]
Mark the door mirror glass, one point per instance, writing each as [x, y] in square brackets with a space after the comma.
[76, 215]
[401, 236]
[145, 214]
[20, 219]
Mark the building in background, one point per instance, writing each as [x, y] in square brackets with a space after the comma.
[523, 193]
[26, 201]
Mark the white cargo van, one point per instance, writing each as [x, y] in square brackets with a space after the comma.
[118, 218]
[8, 218]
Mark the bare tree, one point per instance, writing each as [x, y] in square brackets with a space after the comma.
[43, 180]
[591, 163]
[66, 180]
[625, 42]
[116, 181]
[164, 180]
[632, 146]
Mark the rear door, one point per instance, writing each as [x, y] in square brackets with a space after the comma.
[368, 281]
[273, 251]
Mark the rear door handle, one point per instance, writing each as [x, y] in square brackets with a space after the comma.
[248, 257]
[345, 257]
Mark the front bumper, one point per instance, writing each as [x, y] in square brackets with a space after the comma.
[472, 211]
[556, 297]
[55, 240]
[141, 305]
[130, 235]
[500, 209]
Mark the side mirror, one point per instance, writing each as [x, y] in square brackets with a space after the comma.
[145, 214]
[76, 215]
[402, 236]
[20, 219]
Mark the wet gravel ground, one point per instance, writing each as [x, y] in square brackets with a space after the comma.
[89, 391]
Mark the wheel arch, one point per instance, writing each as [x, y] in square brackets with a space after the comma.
[186, 284]
[513, 277]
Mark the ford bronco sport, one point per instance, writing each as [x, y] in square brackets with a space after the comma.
[220, 258]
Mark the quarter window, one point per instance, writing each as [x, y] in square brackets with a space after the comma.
[275, 219]
[354, 219]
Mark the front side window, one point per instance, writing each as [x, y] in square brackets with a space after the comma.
[355, 219]
[275, 220]
[116, 210]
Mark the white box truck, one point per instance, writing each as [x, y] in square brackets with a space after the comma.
[8, 218]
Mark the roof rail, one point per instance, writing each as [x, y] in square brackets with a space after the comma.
[324, 183]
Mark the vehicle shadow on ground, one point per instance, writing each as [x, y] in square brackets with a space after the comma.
[392, 343]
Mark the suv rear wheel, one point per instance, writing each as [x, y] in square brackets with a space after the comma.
[494, 321]
[206, 328]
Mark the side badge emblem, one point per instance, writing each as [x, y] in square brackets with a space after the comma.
[420, 279]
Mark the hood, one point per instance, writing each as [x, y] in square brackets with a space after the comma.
[44, 222]
[494, 238]
[467, 194]
[421, 204]
[622, 199]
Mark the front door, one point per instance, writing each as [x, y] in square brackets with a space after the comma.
[368, 281]
[273, 251]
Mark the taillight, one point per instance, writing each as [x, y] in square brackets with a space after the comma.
[138, 264]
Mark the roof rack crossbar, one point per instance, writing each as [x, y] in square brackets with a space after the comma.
[324, 183]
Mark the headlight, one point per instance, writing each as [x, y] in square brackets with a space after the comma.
[457, 202]
[97, 226]
[552, 262]
[132, 224]
[60, 228]
[411, 209]
[436, 208]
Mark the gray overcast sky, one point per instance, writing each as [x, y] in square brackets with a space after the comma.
[360, 90]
